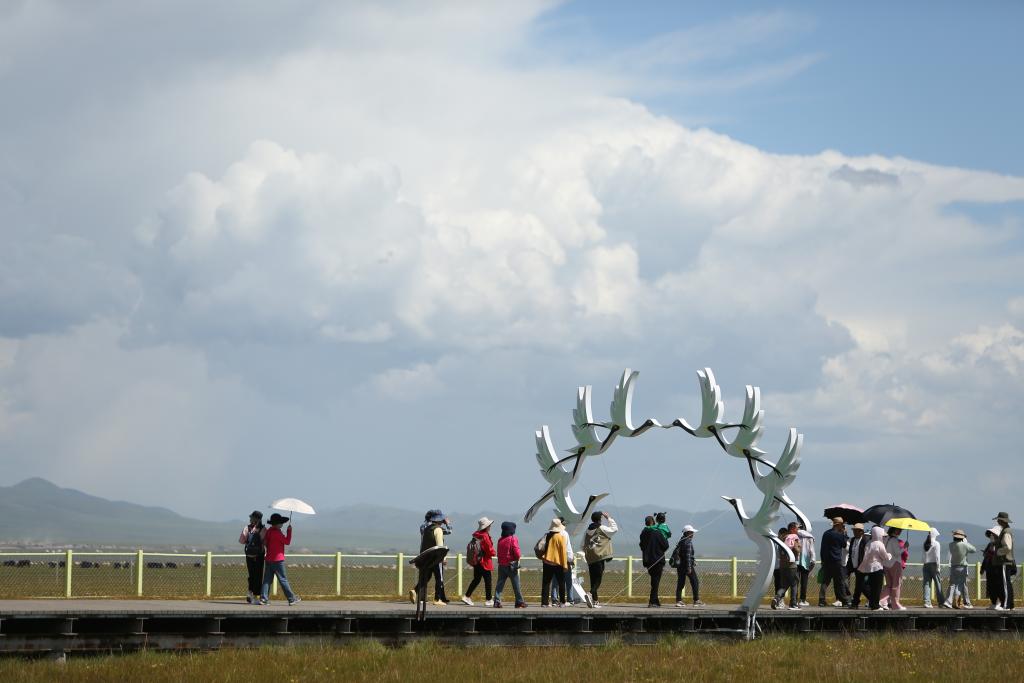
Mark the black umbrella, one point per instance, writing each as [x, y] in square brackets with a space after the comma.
[849, 513]
[880, 514]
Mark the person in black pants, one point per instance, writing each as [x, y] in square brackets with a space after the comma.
[858, 544]
[787, 577]
[653, 546]
[686, 567]
[833, 544]
[254, 553]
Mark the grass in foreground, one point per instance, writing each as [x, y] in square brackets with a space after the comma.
[879, 658]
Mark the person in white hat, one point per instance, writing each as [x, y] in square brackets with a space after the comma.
[684, 559]
[556, 562]
[478, 555]
[931, 572]
[959, 549]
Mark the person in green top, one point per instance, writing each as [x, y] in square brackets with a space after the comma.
[959, 549]
[659, 519]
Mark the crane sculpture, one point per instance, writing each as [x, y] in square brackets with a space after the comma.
[772, 483]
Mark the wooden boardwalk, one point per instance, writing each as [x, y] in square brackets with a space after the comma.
[57, 627]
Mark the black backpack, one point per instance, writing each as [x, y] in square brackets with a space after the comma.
[676, 555]
[254, 544]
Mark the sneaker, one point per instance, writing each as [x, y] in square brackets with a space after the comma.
[901, 608]
[699, 603]
[412, 595]
[264, 601]
[680, 604]
[803, 603]
[821, 603]
[439, 603]
[598, 605]
[589, 600]
[929, 607]
[775, 603]
[489, 603]
[466, 600]
[249, 597]
[497, 603]
[878, 609]
[794, 608]
[652, 605]
[521, 605]
[968, 606]
[294, 601]
[837, 603]
[543, 605]
[947, 605]
[999, 607]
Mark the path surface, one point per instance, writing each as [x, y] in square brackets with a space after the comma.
[230, 607]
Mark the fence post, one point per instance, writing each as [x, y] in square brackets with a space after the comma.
[138, 572]
[458, 574]
[977, 580]
[629, 576]
[209, 573]
[337, 573]
[69, 561]
[735, 578]
[401, 571]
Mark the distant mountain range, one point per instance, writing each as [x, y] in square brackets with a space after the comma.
[39, 513]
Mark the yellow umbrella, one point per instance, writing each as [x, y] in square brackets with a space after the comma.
[908, 523]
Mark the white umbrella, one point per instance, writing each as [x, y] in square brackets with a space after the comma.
[292, 505]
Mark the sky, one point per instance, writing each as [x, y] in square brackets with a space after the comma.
[359, 253]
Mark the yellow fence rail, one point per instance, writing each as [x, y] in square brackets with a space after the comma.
[144, 573]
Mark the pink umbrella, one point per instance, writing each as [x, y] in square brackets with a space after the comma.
[850, 513]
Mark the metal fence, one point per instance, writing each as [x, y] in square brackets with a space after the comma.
[148, 574]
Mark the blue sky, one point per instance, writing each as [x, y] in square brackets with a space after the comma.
[255, 253]
[934, 81]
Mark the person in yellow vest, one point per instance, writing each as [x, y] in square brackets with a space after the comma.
[556, 564]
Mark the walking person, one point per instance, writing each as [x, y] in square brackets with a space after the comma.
[686, 567]
[1004, 560]
[252, 540]
[556, 562]
[653, 546]
[597, 549]
[787, 573]
[274, 541]
[858, 545]
[993, 580]
[959, 570]
[508, 564]
[873, 567]
[432, 532]
[480, 559]
[805, 564]
[931, 569]
[833, 548]
[894, 570]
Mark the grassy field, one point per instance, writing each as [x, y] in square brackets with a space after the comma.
[874, 659]
[358, 580]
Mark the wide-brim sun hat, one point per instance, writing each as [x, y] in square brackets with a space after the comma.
[556, 525]
[1003, 516]
[995, 531]
[689, 527]
[483, 523]
[436, 516]
[277, 519]
[858, 525]
[959, 533]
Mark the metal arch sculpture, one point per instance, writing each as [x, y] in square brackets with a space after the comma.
[562, 473]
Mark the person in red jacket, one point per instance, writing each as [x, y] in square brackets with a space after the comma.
[508, 563]
[275, 541]
[484, 565]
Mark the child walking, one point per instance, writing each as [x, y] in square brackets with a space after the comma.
[508, 563]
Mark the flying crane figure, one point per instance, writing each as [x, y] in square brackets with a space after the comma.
[561, 480]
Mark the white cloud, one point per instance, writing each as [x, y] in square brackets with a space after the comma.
[377, 210]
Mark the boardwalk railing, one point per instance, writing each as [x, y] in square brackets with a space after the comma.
[143, 573]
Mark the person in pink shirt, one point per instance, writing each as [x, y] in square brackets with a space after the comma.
[275, 541]
[894, 567]
[508, 563]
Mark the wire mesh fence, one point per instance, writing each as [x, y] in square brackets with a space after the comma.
[196, 575]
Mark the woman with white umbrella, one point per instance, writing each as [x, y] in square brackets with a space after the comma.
[275, 541]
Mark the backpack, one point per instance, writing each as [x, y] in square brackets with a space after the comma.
[541, 547]
[474, 551]
[254, 544]
[676, 555]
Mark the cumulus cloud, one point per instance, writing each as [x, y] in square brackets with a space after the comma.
[380, 224]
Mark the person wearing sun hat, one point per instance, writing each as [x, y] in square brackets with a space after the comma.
[686, 567]
[484, 564]
[993, 580]
[959, 569]
[833, 544]
[556, 563]
[275, 541]
[1004, 560]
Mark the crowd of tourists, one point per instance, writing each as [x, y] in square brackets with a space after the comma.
[874, 559]
[877, 560]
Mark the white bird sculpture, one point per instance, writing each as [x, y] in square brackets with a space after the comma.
[561, 481]
[712, 409]
[621, 423]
